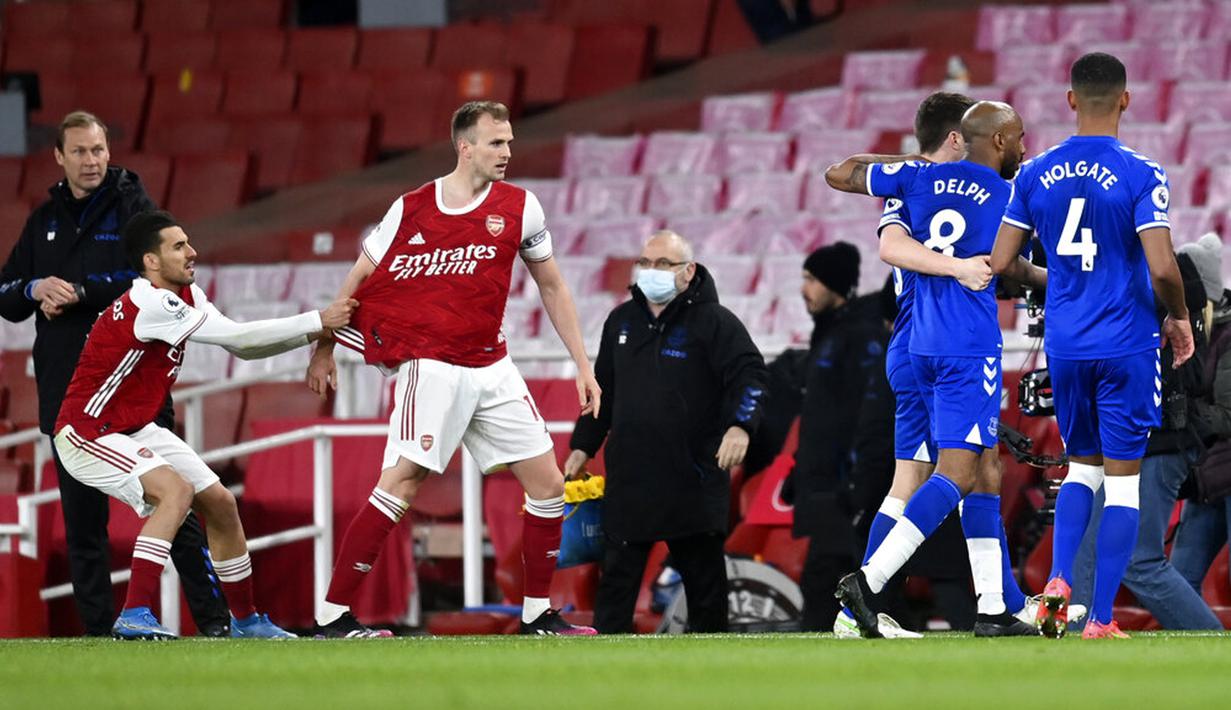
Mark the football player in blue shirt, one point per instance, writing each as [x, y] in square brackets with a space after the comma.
[954, 344]
[1100, 211]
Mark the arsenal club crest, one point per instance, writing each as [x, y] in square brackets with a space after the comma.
[495, 224]
[426, 442]
[145, 453]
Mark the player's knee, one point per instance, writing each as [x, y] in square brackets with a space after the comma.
[175, 494]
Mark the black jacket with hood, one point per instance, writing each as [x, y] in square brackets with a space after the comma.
[672, 386]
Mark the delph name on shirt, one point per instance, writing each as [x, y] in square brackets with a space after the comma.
[1061, 171]
[954, 186]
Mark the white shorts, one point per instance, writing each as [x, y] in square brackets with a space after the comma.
[114, 463]
[437, 406]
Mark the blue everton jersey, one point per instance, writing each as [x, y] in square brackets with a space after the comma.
[1088, 198]
[895, 212]
[955, 209]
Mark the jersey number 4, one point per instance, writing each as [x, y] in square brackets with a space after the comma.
[1083, 247]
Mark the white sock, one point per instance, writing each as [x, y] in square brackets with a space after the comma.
[1089, 476]
[533, 607]
[899, 545]
[893, 507]
[233, 570]
[986, 568]
[1122, 490]
[330, 612]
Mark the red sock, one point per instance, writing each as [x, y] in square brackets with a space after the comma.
[540, 544]
[236, 578]
[362, 543]
[149, 558]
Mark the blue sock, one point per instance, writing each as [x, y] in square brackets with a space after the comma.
[925, 511]
[1117, 536]
[932, 503]
[1014, 597]
[1073, 507]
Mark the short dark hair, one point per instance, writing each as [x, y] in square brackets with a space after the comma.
[1098, 79]
[938, 115]
[78, 119]
[142, 235]
[468, 114]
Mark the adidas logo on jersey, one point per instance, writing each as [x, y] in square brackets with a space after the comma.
[417, 239]
[363, 567]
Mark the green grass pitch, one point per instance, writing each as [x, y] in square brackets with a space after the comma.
[631, 673]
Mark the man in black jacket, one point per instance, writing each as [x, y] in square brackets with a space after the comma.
[683, 385]
[845, 358]
[67, 266]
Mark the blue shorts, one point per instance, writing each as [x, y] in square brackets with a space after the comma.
[912, 433]
[962, 396]
[1107, 406]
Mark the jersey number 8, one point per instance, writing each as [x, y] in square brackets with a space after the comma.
[956, 227]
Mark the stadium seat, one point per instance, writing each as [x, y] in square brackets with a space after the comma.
[1147, 105]
[734, 274]
[1040, 138]
[882, 70]
[205, 185]
[1199, 102]
[167, 52]
[1182, 181]
[1136, 57]
[583, 273]
[739, 112]
[315, 285]
[710, 234]
[782, 233]
[332, 93]
[1077, 25]
[542, 52]
[273, 400]
[231, 15]
[1189, 223]
[552, 194]
[620, 237]
[273, 141]
[241, 285]
[601, 156]
[37, 54]
[730, 31]
[13, 216]
[101, 16]
[816, 109]
[606, 58]
[487, 84]
[154, 171]
[188, 136]
[59, 96]
[204, 364]
[769, 192]
[10, 177]
[1011, 25]
[321, 48]
[35, 19]
[184, 94]
[412, 108]
[1045, 103]
[780, 276]
[752, 152]
[1218, 188]
[18, 383]
[521, 318]
[670, 195]
[817, 150]
[609, 196]
[1218, 24]
[16, 336]
[250, 48]
[1208, 143]
[175, 16]
[466, 46]
[259, 92]
[1049, 64]
[39, 172]
[887, 110]
[119, 100]
[400, 48]
[822, 199]
[681, 29]
[1168, 22]
[117, 53]
[755, 312]
[592, 311]
[786, 552]
[1190, 61]
[340, 144]
[566, 231]
[677, 152]
[1159, 141]
[1216, 589]
[221, 414]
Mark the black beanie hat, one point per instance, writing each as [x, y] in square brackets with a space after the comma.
[836, 266]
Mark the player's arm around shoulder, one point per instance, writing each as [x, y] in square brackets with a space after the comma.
[851, 175]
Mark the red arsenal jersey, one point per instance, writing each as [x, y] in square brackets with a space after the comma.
[131, 360]
[442, 276]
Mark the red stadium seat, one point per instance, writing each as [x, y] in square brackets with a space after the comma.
[1044, 103]
[884, 70]
[785, 552]
[1189, 223]
[730, 31]
[677, 152]
[401, 48]
[717, 233]
[10, 178]
[1077, 25]
[188, 136]
[1136, 57]
[115, 53]
[676, 195]
[119, 100]
[1016, 66]
[259, 92]
[13, 216]
[466, 46]
[755, 312]
[37, 54]
[59, 95]
[1182, 180]
[314, 284]
[339, 145]
[319, 49]
[553, 195]
[1218, 24]
[608, 196]
[1216, 589]
[1218, 188]
[22, 392]
[779, 276]
[233, 15]
[40, 172]
[618, 237]
[273, 400]
[175, 16]
[154, 171]
[819, 108]
[1208, 143]
[542, 53]
[273, 141]
[887, 110]
[167, 52]
[221, 416]
[250, 48]
[680, 29]
[734, 274]
[768, 192]
[35, 19]
[238, 285]
[607, 58]
[817, 150]
[601, 156]
[749, 152]
[1015, 25]
[1147, 105]
[487, 84]
[1168, 22]
[184, 94]
[1040, 138]
[1158, 141]
[1190, 61]
[206, 185]
[822, 199]
[332, 93]
[739, 112]
[413, 108]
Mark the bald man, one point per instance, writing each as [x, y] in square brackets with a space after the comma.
[683, 386]
[955, 345]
